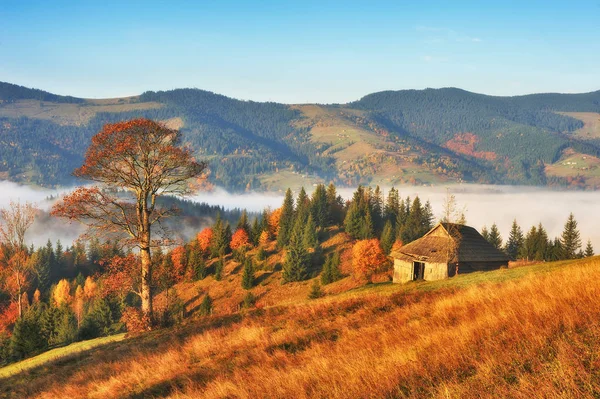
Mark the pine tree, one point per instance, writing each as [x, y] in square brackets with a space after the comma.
[541, 244]
[196, 262]
[485, 233]
[286, 221]
[219, 265]
[334, 206]
[243, 222]
[303, 207]
[570, 239]
[27, 337]
[528, 249]
[248, 274]
[377, 210]
[367, 229]
[310, 237]
[428, 217]
[387, 237]
[206, 306]
[494, 237]
[256, 231]
[353, 221]
[315, 290]
[295, 267]
[319, 206]
[515, 241]
[392, 207]
[589, 250]
[221, 238]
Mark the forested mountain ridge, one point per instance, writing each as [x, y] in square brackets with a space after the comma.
[391, 137]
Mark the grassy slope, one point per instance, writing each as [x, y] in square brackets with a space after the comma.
[531, 331]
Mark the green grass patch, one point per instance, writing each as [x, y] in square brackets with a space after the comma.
[57, 353]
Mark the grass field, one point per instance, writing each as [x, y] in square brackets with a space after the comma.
[573, 164]
[526, 332]
[591, 124]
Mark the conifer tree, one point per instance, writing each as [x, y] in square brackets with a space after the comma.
[515, 241]
[319, 206]
[256, 231]
[248, 274]
[528, 249]
[541, 244]
[494, 237]
[485, 233]
[428, 218]
[334, 206]
[387, 237]
[295, 267]
[570, 239]
[310, 237]
[367, 229]
[206, 306]
[353, 221]
[315, 290]
[243, 222]
[377, 210]
[286, 220]
[392, 207]
[303, 207]
[219, 269]
[331, 269]
[589, 250]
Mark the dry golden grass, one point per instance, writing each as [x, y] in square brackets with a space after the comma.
[528, 332]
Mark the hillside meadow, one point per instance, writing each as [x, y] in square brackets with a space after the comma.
[530, 331]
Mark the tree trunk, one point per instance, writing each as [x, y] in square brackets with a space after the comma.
[146, 288]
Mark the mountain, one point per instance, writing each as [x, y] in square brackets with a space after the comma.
[391, 137]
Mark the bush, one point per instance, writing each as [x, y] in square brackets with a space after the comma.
[249, 301]
[315, 290]
[135, 321]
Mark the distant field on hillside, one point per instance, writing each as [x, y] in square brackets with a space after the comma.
[530, 331]
[591, 124]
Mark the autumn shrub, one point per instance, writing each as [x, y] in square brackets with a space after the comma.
[248, 301]
[367, 258]
[315, 290]
[135, 321]
[206, 306]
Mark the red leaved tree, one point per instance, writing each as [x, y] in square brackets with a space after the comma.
[367, 257]
[179, 259]
[145, 160]
[240, 240]
[204, 239]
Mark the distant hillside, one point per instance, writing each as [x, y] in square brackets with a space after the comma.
[392, 137]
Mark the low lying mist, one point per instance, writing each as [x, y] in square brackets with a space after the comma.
[483, 204]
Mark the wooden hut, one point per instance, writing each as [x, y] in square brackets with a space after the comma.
[444, 251]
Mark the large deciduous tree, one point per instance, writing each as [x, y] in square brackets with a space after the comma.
[145, 160]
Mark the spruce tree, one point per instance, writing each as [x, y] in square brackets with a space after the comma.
[206, 306]
[303, 207]
[367, 229]
[589, 250]
[219, 265]
[515, 241]
[319, 206]
[528, 249]
[570, 239]
[541, 244]
[295, 267]
[196, 262]
[310, 237]
[248, 274]
[387, 237]
[485, 233]
[27, 337]
[243, 222]
[286, 221]
[353, 221]
[256, 231]
[315, 290]
[334, 206]
[494, 237]
[377, 210]
[392, 207]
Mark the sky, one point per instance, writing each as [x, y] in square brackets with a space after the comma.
[300, 52]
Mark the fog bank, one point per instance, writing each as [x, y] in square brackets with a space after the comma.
[484, 205]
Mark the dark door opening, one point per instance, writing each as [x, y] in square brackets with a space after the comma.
[418, 270]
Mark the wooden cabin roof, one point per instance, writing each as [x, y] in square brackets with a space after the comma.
[449, 243]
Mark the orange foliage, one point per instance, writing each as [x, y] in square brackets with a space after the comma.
[135, 320]
[62, 293]
[239, 240]
[397, 245]
[90, 288]
[204, 239]
[78, 304]
[263, 239]
[465, 144]
[36, 296]
[178, 257]
[273, 222]
[367, 257]
[121, 276]
[8, 317]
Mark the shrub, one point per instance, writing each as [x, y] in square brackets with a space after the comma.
[135, 321]
[206, 306]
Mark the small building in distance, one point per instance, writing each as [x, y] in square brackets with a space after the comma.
[444, 251]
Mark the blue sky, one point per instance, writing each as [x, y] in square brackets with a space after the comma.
[309, 51]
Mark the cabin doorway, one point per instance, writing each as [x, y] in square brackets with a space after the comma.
[418, 270]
